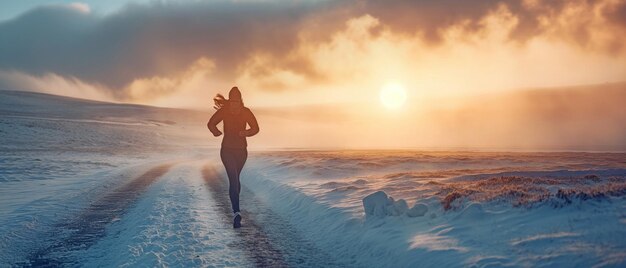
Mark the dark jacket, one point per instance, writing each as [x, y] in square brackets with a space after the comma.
[233, 124]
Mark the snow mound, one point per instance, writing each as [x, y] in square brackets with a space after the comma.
[380, 205]
[417, 210]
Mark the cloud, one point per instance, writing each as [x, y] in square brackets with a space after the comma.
[144, 40]
[53, 84]
[269, 43]
[80, 7]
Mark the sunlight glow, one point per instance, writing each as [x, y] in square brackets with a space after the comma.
[393, 95]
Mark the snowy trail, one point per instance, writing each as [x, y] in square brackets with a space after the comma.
[176, 224]
[268, 239]
[91, 223]
[253, 238]
[178, 214]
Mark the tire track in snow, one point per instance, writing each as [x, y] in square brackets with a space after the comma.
[253, 239]
[269, 240]
[175, 223]
[90, 225]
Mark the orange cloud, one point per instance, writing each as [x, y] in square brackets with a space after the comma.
[325, 51]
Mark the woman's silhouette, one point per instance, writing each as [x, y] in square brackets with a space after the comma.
[234, 152]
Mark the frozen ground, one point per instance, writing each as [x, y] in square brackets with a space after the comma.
[96, 184]
[453, 208]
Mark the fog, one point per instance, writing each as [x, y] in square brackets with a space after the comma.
[589, 118]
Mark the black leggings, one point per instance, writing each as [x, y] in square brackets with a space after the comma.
[234, 159]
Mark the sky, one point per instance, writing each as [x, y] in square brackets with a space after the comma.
[443, 54]
[13, 8]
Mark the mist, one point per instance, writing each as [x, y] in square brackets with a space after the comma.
[582, 118]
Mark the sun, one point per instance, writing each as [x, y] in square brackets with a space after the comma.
[393, 95]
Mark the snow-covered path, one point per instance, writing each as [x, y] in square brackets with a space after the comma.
[175, 214]
[90, 224]
[268, 239]
[176, 224]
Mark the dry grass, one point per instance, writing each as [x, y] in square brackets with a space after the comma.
[526, 191]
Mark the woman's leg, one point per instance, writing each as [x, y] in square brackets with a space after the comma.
[230, 161]
[242, 156]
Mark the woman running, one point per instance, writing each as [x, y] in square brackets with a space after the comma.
[233, 152]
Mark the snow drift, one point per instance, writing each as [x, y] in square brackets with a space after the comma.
[380, 205]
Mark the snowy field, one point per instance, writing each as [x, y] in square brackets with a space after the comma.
[92, 184]
[441, 209]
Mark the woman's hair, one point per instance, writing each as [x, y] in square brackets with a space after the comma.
[221, 102]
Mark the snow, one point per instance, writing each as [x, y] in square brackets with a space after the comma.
[175, 224]
[489, 224]
[379, 205]
[61, 157]
[418, 210]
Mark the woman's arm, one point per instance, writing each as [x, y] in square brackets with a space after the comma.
[212, 124]
[254, 125]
